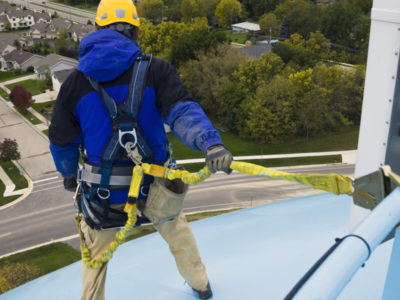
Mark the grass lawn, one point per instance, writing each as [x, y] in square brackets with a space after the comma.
[346, 139]
[5, 76]
[46, 132]
[52, 257]
[28, 115]
[236, 37]
[14, 173]
[4, 94]
[35, 87]
[44, 108]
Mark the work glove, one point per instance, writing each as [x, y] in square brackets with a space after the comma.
[218, 158]
[70, 184]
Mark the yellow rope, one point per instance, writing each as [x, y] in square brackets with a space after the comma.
[334, 183]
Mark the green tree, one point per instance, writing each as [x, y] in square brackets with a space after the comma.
[284, 29]
[255, 72]
[7, 26]
[152, 10]
[61, 44]
[269, 25]
[257, 8]
[192, 9]
[173, 10]
[9, 150]
[227, 12]
[303, 16]
[210, 80]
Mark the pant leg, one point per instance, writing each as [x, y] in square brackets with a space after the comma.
[93, 280]
[164, 209]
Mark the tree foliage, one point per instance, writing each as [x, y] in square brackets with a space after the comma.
[192, 9]
[269, 25]
[21, 98]
[9, 150]
[178, 42]
[257, 8]
[227, 12]
[152, 10]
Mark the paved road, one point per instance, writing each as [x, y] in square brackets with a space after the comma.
[64, 11]
[47, 213]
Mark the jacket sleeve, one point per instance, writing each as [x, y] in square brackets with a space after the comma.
[185, 117]
[64, 132]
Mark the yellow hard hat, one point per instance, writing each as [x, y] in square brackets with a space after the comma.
[114, 11]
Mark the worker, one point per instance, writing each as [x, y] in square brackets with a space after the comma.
[116, 95]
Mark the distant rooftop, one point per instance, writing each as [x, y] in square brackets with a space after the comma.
[18, 56]
[62, 75]
[257, 50]
[247, 26]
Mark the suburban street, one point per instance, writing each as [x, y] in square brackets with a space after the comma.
[48, 214]
[67, 12]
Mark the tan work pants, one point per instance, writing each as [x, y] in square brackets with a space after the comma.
[164, 209]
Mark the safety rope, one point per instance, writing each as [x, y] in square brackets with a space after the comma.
[334, 183]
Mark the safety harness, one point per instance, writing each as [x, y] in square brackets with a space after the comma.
[97, 181]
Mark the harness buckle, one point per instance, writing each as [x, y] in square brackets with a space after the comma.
[103, 193]
[121, 135]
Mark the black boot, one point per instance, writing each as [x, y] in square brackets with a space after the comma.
[204, 294]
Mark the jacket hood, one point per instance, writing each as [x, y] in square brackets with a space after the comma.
[105, 54]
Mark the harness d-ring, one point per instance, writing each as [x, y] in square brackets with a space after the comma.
[121, 134]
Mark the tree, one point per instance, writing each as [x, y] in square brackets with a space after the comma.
[303, 16]
[257, 8]
[21, 98]
[227, 12]
[284, 31]
[61, 44]
[7, 26]
[152, 10]
[9, 150]
[192, 9]
[269, 25]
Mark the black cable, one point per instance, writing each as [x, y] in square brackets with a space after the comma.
[312, 270]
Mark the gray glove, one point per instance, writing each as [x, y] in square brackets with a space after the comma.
[218, 158]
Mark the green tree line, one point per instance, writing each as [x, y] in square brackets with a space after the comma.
[277, 97]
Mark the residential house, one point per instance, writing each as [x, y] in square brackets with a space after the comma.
[42, 17]
[38, 31]
[78, 31]
[59, 77]
[7, 42]
[245, 27]
[53, 63]
[55, 26]
[19, 18]
[4, 7]
[19, 59]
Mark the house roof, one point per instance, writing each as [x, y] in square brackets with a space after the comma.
[59, 23]
[62, 75]
[18, 13]
[3, 19]
[7, 39]
[51, 60]
[18, 56]
[257, 50]
[247, 26]
[80, 29]
[5, 6]
[43, 16]
[41, 27]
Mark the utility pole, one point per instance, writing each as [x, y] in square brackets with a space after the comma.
[270, 32]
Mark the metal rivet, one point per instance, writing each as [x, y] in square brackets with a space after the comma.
[387, 122]
[384, 144]
[381, 164]
[390, 100]
[393, 77]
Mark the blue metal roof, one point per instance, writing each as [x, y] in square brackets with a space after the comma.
[254, 253]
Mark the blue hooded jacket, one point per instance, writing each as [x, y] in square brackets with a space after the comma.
[79, 115]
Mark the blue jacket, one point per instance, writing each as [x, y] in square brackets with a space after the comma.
[79, 116]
